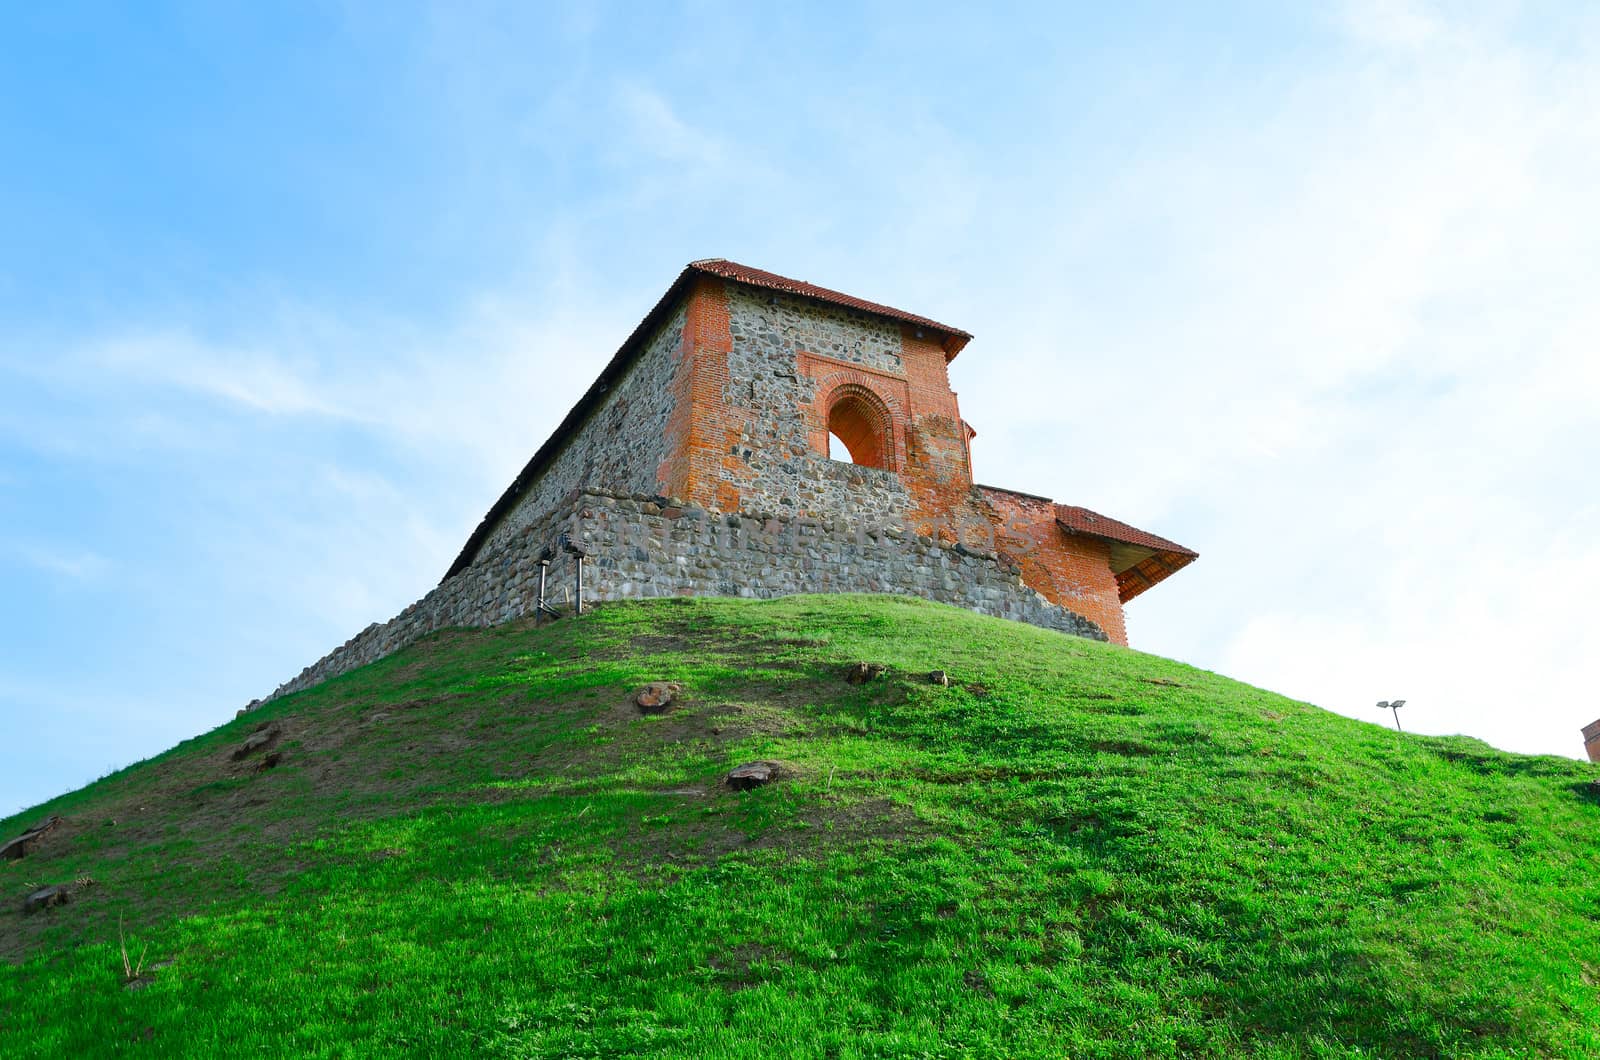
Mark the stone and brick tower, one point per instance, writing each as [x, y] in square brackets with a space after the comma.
[1591, 740]
[698, 463]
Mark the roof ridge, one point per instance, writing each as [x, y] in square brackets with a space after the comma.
[754, 277]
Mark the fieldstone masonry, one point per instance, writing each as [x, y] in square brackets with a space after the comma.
[623, 445]
[697, 464]
[644, 546]
[770, 339]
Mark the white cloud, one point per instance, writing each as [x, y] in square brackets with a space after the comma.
[1365, 371]
[78, 565]
[655, 127]
[1391, 23]
[484, 387]
[1439, 325]
[258, 380]
[1490, 639]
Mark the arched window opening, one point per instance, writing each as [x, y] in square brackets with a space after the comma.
[859, 423]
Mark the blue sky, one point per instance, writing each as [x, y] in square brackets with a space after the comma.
[288, 293]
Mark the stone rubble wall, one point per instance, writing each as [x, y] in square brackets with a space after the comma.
[623, 443]
[787, 324]
[643, 546]
[784, 360]
[776, 462]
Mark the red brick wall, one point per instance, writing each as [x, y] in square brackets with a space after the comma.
[708, 424]
[1591, 740]
[927, 441]
[937, 471]
[831, 378]
[1067, 569]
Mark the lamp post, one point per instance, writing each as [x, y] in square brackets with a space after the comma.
[1393, 708]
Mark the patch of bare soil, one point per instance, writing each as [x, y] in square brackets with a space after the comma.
[659, 645]
[818, 828]
[745, 965]
[239, 803]
[162, 839]
[424, 652]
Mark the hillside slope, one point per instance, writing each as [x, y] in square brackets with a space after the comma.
[481, 847]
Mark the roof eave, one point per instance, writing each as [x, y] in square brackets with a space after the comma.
[1150, 572]
[952, 340]
[1138, 565]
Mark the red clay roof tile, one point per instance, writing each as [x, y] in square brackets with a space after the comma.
[1083, 521]
[732, 270]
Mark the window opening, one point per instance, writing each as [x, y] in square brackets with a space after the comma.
[858, 424]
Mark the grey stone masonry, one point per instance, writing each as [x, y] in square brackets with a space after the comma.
[646, 546]
[622, 445]
[783, 468]
[788, 324]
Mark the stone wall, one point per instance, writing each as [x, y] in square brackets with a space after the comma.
[783, 326]
[647, 546]
[624, 444]
[784, 359]
[727, 404]
[779, 464]
[774, 361]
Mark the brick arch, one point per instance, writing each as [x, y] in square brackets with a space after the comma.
[868, 422]
[861, 420]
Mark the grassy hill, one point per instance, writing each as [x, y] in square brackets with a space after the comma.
[480, 847]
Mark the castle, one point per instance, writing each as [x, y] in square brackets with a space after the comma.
[698, 463]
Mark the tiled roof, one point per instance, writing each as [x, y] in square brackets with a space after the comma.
[1083, 521]
[732, 270]
[1138, 559]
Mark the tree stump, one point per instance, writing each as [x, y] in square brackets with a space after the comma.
[46, 897]
[657, 697]
[752, 775]
[253, 743]
[20, 846]
[862, 672]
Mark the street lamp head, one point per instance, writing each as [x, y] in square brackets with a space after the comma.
[1397, 704]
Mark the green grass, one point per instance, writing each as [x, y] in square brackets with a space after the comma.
[479, 848]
